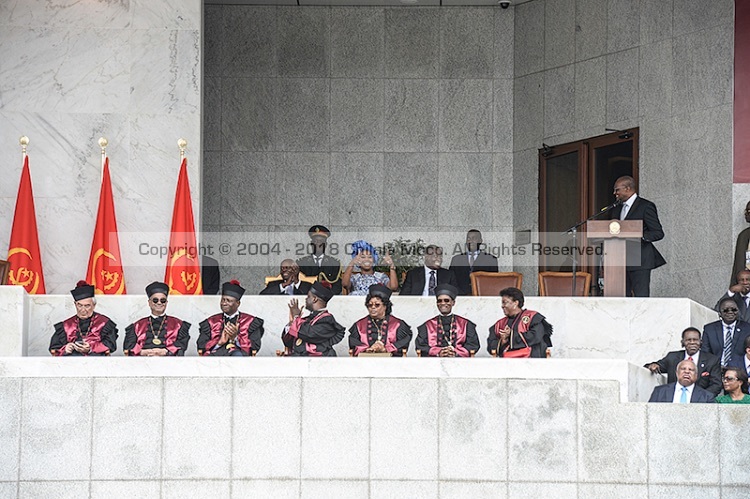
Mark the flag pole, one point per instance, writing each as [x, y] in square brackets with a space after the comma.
[103, 144]
[24, 141]
[182, 144]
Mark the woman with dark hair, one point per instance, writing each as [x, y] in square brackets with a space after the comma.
[521, 333]
[735, 387]
[379, 333]
[365, 257]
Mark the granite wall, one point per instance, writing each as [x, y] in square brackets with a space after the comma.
[221, 433]
[129, 70]
[362, 119]
[663, 66]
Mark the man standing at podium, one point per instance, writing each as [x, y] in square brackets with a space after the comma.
[634, 207]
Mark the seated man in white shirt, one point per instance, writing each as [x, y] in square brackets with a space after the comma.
[740, 293]
[423, 280]
[709, 366]
[289, 284]
[684, 390]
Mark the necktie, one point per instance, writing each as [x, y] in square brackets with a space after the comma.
[624, 212]
[432, 284]
[690, 359]
[683, 396]
[471, 260]
[727, 355]
[319, 260]
[290, 289]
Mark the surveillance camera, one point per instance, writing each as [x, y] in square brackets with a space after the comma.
[504, 3]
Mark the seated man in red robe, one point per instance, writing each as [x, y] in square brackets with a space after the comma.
[231, 332]
[87, 332]
[380, 333]
[315, 334]
[447, 335]
[158, 335]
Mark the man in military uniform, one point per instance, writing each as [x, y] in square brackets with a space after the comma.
[324, 267]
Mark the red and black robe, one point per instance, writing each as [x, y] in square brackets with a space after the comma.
[313, 335]
[173, 334]
[98, 331]
[247, 342]
[364, 333]
[532, 325]
[443, 330]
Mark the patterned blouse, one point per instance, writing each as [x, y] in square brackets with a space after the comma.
[361, 282]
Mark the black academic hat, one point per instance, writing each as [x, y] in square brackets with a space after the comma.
[233, 289]
[446, 289]
[157, 287]
[83, 290]
[319, 230]
[380, 291]
[322, 290]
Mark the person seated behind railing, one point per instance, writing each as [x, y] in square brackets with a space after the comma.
[521, 333]
[231, 332]
[289, 284]
[447, 334]
[157, 335]
[365, 257]
[379, 332]
[684, 390]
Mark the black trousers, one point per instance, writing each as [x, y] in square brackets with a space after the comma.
[638, 283]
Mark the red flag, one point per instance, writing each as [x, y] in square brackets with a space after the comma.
[105, 266]
[183, 272]
[23, 252]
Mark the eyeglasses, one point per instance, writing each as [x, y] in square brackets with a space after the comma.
[727, 378]
[725, 310]
[374, 305]
[444, 300]
[158, 300]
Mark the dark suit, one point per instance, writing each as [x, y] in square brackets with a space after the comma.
[415, 280]
[461, 268]
[739, 300]
[210, 275]
[743, 239]
[738, 362]
[330, 268]
[273, 288]
[713, 338]
[638, 275]
[665, 393]
[709, 369]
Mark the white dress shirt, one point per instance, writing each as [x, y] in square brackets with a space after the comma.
[627, 206]
[678, 393]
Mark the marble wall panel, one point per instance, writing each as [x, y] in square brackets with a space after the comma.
[669, 438]
[528, 112]
[611, 491]
[519, 490]
[267, 440]
[503, 115]
[357, 42]
[466, 115]
[703, 65]
[734, 456]
[412, 41]
[249, 35]
[9, 489]
[357, 189]
[343, 453]
[166, 14]
[528, 46]
[357, 114]
[304, 43]
[601, 436]
[504, 43]
[212, 184]
[411, 115]
[483, 490]
[623, 22]
[55, 430]
[559, 100]
[544, 440]
[590, 93]
[309, 173]
[622, 85]
[690, 16]
[212, 113]
[10, 428]
[414, 404]
[185, 455]
[417, 207]
[655, 87]
[198, 489]
[132, 446]
[465, 189]
[56, 490]
[248, 172]
[248, 114]
[658, 491]
[471, 445]
[39, 13]
[302, 114]
[421, 489]
[656, 21]
[334, 489]
[464, 48]
[281, 489]
[656, 150]
[114, 489]
[591, 29]
[502, 190]
[559, 32]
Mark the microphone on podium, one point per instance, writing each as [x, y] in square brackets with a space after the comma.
[613, 205]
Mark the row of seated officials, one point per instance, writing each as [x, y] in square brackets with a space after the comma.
[520, 333]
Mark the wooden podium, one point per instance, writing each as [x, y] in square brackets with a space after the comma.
[615, 234]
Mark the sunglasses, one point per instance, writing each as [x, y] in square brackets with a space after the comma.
[725, 310]
[444, 300]
[374, 305]
[158, 300]
[727, 378]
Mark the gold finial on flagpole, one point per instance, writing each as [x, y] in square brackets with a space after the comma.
[103, 144]
[24, 141]
[182, 144]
